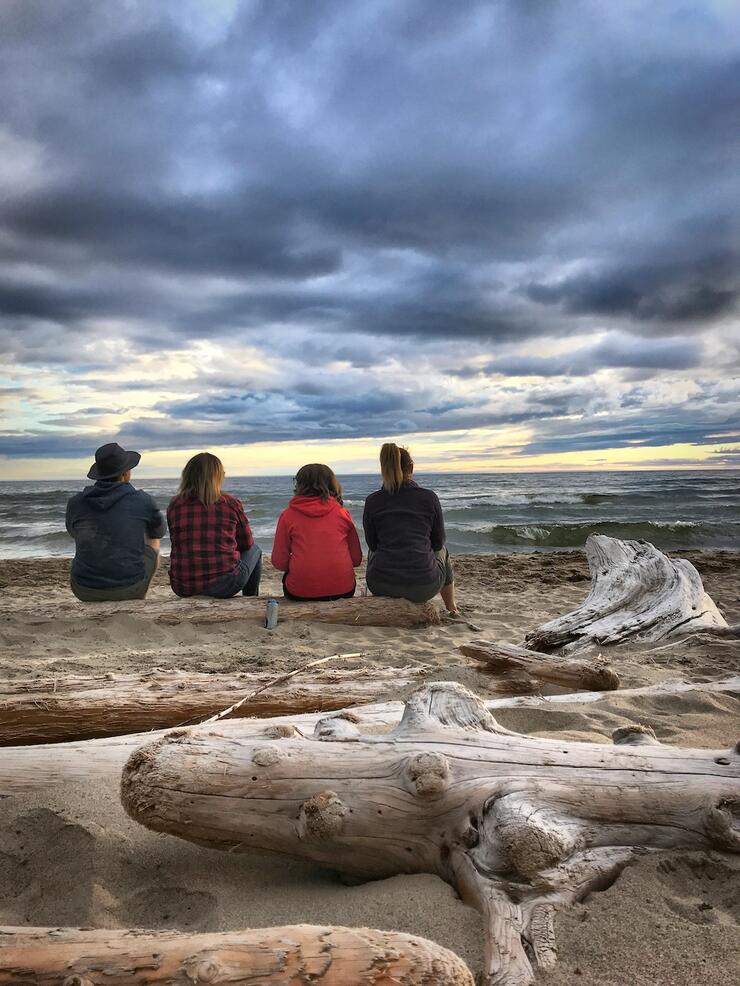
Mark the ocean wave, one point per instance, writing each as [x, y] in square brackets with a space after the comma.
[663, 534]
[51, 536]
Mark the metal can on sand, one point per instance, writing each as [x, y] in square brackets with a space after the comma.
[271, 614]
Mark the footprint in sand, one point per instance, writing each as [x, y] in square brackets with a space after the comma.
[171, 907]
[713, 888]
[42, 850]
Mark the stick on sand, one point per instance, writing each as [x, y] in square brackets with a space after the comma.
[281, 679]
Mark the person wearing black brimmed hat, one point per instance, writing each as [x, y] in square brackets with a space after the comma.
[117, 530]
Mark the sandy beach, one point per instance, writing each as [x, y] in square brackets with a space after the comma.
[70, 856]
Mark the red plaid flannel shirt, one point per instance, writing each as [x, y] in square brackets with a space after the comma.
[206, 541]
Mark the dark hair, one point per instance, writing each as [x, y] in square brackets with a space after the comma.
[395, 465]
[316, 479]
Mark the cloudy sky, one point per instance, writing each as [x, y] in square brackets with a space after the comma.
[506, 233]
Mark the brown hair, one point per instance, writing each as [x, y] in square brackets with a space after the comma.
[395, 465]
[202, 479]
[316, 479]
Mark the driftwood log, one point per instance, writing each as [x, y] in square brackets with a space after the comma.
[291, 956]
[25, 769]
[519, 825]
[362, 611]
[78, 708]
[594, 675]
[637, 593]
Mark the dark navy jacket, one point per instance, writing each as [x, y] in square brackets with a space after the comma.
[109, 522]
[403, 530]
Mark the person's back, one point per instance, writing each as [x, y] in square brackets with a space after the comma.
[213, 551]
[116, 529]
[316, 542]
[406, 529]
[405, 535]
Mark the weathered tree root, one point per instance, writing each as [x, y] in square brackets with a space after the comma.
[637, 593]
[521, 826]
[290, 956]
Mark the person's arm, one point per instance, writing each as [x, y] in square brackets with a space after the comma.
[353, 541]
[155, 525]
[280, 556]
[368, 526]
[244, 539]
[437, 533]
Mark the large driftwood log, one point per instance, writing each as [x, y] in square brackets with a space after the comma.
[520, 826]
[637, 593]
[291, 956]
[595, 675]
[361, 611]
[27, 769]
[78, 708]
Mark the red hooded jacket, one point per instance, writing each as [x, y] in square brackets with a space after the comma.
[316, 543]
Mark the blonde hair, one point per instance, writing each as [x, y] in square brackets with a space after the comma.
[395, 465]
[319, 480]
[202, 479]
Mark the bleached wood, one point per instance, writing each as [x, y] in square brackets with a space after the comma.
[74, 707]
[637, 593]
[519, 825]
[595, 674]
[288, 956]
[27, 769]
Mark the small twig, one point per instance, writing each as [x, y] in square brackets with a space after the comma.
[654, 650]
[280, 680]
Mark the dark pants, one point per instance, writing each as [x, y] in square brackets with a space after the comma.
[415, 593]
[246, 578]
[315, 599]
[119, 592]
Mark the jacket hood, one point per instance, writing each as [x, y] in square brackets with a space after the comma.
[313, 506]
[104, 494]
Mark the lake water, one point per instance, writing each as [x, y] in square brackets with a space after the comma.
[484, 512]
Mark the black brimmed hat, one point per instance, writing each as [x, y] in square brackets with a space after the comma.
[112, 461]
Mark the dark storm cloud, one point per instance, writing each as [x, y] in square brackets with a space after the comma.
[354, 182]
[616, 352]
[676, 295]
[660, 426]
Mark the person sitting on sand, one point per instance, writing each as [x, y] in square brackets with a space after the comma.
[316, 542]
[405, 535]
[213, 551]
[117, 530]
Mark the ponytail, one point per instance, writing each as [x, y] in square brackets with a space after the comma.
[395, 464]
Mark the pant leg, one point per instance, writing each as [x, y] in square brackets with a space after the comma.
[252, 557]
[245, 578]
[443, 559]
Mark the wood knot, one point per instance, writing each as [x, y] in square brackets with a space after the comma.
[321, 816]
[281, 731]
[635, 735]
[428, 774]
[204, 968]
[265, 756]
[336, 728]
[77, 981]
[208, 971]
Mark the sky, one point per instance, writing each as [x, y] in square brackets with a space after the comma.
[504, 233]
